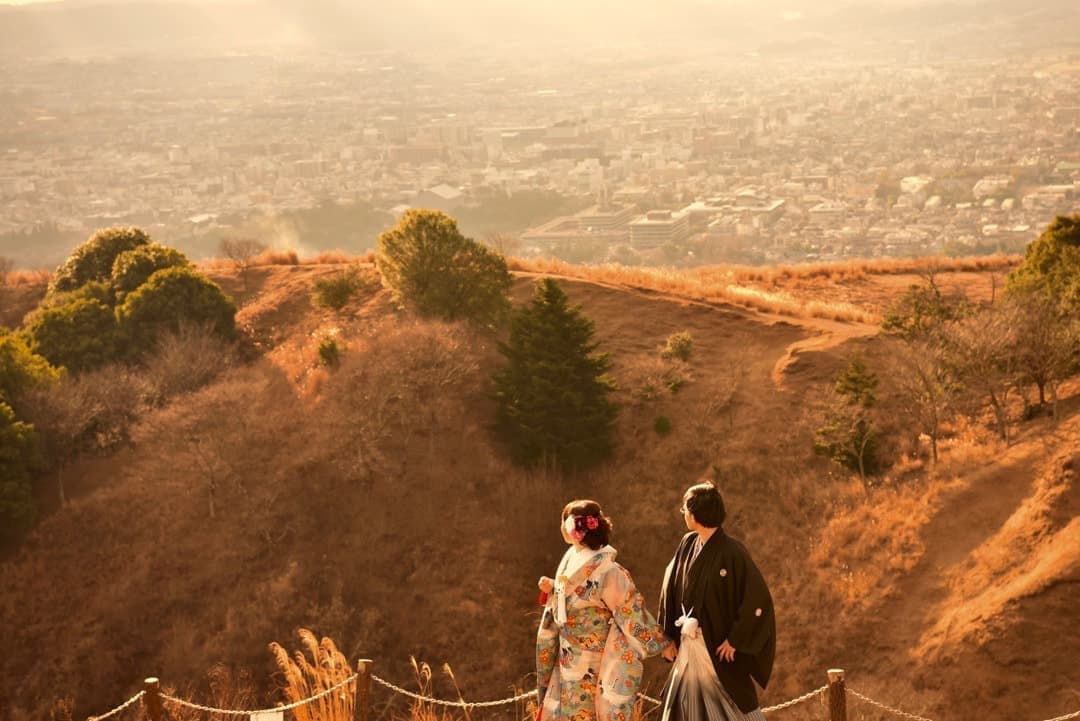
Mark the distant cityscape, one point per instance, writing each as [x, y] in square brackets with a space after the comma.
[632, 159]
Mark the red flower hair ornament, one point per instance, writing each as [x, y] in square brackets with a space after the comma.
[578, 526]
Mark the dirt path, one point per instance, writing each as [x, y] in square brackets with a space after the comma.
[828, 334]
[969, 516]
[825, 333]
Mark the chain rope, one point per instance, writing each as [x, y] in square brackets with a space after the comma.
[287, 707]
[890, 709]
[1074, 714]
[118, 709]
[456, 704]
[650, 699]
[486, 704]
[794, 701]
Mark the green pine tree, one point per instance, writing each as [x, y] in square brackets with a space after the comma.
[553, 393]
[848, 436]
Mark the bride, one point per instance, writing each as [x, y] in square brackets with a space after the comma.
[595, 630]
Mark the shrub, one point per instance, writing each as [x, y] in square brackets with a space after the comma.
[553, 403]
[134, 267]
[336, 290]
[78, 333]
[329, 352]
[275, 257]
[430, 266]
[18, 458]
[94, 258]
[1052, 265]
[184, 361]
[679, 345]
[20, 368]
[171, 298]
[662, 425]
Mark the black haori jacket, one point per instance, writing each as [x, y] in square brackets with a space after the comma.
[731, 601]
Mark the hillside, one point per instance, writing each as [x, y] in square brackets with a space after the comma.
[371, 504]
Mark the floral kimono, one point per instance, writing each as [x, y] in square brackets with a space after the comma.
[593, 635]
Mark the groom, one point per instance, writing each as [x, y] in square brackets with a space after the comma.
[714, 575]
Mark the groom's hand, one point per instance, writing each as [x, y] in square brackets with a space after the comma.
[726, 651]
[670, 652]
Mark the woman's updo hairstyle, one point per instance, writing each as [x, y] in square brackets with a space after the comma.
[589, 519]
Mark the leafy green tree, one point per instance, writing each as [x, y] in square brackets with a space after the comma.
[169, 299]
[134, 267]
[1052, 265]
[20, 368]
[921, 311]
[430, 266]
[553, 394]
[94, 258]
[849, 436]
[78, 334]
[18, 458]
[1048, 343]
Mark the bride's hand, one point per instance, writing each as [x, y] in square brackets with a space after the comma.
[670, 652]
[546, 584]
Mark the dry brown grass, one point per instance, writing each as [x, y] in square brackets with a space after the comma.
[877, 537]
[40, 276]
[276, 256]
[859, 268]
[769, 289]
[711, 284]
[338, 257]
[1035, 548]
[304, 677]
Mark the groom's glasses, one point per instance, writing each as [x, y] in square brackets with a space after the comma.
[683, 509]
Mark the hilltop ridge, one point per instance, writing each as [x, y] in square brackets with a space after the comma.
[371, 503]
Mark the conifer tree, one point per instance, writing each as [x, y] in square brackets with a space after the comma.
[849, 437]
[553, 393]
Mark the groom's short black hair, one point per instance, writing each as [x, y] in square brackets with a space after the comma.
[704, 502]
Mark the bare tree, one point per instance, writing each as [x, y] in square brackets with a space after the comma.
[924, 383]
[506, 244]
[241, 251]
[1047, 349]
[731, 385]
[93, 411]
[6, 266]
[985, 350]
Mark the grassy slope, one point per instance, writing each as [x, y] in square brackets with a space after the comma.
[379, 511]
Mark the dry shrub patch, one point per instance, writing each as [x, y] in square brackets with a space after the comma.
[864, 547]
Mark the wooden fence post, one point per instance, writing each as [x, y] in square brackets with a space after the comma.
[152, 699]
[362, 701]
[837, 695]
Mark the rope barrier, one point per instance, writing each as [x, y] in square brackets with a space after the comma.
[118, 709]
[794, 701]
[500, 702]
[232, 712]
[650, 699]
[890, 709]
[456, 704]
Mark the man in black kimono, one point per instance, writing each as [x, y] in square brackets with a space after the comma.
[713, 579]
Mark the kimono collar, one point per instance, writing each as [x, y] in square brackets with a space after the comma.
[694, 564]
[586, 569]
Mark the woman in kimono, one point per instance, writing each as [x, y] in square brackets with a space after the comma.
[595, 630]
